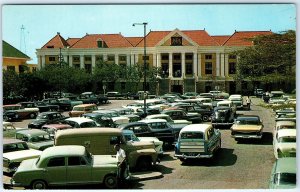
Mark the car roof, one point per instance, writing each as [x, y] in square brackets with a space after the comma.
[49, 112]
[79, 119]
[64, 150]
[133, 124]
[57, 126]
[88, 131]
[85, 105]
[153, 120]
[279, 123]
[286, 165]
[157, 115]
[11, 140]
[287, 132]
[196, 128]
[224, 102]
[31, 131]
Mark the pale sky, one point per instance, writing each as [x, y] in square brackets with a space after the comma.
[42, 22]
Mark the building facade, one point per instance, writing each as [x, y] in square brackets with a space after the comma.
[15, 60]
[189, 60]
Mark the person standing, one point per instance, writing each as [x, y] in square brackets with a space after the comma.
[248, 101]
[121, 157]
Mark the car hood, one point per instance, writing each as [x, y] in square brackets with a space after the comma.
[42, 145]
[143, 145]
[101, 160]
[120, 120]
[182, 122]
[151, 139]
[246, 127]
[21, 155]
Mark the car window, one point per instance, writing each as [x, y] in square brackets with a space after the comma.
[56, 162]
[76, 160]
[88, 124]
[192, 135]
[115, 140]
[285, 178]
[287, 140]
[14, 147]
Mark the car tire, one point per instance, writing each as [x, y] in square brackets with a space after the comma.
[205, 118]
[32, 115]
[110, 181]
[144, 164]
[38, 184]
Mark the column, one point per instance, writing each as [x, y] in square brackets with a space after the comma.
[104, 57]
[195, 64]
[70, 60]
[136, 58]
[43, 61]
[93, 62]
[128, 59]
[222, 65]
[183, 65]
[66, 58]
[226, 64]
[158, 60]
[81, 61]
[199, 65]
[117, 59]
[170, 65]
[217, 64]
[132, 59]
[154, 64]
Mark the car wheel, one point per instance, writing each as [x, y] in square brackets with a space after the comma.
[111, 181]
[144, 164]
[205, 118]
[32, 115]
[38, 184]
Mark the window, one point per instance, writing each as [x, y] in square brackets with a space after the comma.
[88, 68]
[115, 140]
[208, 67]
[75, 161]
[100, 43]
[99, 58]
[56, 162]
[176, 56]
[176, 41]
[52, 58]
[122, 58]
[164, 56]
[146, 57]
[189, 56]
[232, 56]
[76, 59]
[11, 68]
[208, 57]
[110, 58]
[232, 68]
[87, 58]
[189, 68]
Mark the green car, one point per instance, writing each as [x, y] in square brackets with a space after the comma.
[283, 174]
[65, 166]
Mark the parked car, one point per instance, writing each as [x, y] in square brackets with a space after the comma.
[10, 115]
[158, 128]
[35, 138]
[33, 105]
[45, 118]
[237, 100]
[88, 98]
[284, 125]
[286, 117]
[78, 110]
[227, 103]
[14, 152]
[190, 95]
[66, 165]
[222, 116]
[114, 117]
[22, 112]
[80, 122]
[284, 143]
[258, 92]
[197, 141]
[283, 175]
[247, 127]
[68, 104]
[141, 156]
[180, 114]
[53, 128]
[130, 136]
[44, 107]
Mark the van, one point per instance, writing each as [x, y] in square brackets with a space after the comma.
[101, 141]
[78, 110]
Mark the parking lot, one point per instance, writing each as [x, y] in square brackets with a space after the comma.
[238, 165]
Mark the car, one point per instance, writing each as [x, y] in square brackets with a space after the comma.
[67, 104]
[10, 115]
[284, 125]
[286, 117]
[35, 138]
[29, 104]
[115, 118]
[247, 127]
[22, 112]
[284, 143]
[53, 128]
[130, 136]
[190, 95]
[179, 114]
[14, 152]
[222, 116]
[80, 122]
[197, 141]
[237, 100]
[78, 110]
[258, 92]
[283, 174]
[43, 106]
[45, 118]
[64, 166]
[158, 128]
[227, 103]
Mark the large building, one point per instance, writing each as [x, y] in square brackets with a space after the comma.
[15, 60]
[190, 60]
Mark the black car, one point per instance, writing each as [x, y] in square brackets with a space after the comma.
[222, 116]
[179, 114]
[163, 131]
[46, 118]
[101, 119]
[10, 115]
[149, 111]
[204, 110]
[44, 107]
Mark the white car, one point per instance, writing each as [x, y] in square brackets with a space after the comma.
[284, 143]
[237, 100]
[14, 152]
[80, 122]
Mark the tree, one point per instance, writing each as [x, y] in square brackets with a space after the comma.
[11, 83]
[272, 59]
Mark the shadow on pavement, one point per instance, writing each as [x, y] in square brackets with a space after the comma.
[267, 139]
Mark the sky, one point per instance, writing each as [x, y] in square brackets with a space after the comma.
[42, 22]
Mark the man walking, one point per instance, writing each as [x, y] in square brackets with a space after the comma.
[248, 101]
[121, 157]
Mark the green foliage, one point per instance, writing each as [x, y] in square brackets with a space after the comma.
[11, 83]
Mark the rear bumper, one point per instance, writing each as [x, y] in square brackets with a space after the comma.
[199, 156]
[247, 136]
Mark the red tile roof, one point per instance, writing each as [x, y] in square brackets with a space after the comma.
[152, 38]
[241, 38]
[134, 40]
[72, 41]
[56, 42]
[221, 38]
[111, 40]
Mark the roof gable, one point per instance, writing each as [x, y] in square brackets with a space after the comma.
[221, 39]
[134, 41]
[56, 42]
[242, 38]
[10, 51]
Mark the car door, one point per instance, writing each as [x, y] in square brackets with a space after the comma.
[212, 139]
[55, 171]
[78, 170]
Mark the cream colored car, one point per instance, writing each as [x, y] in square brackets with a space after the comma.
[284, 143]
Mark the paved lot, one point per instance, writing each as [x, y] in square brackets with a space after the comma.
[238, 165]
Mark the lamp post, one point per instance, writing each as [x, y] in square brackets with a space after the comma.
[60, 62]
[145, 24]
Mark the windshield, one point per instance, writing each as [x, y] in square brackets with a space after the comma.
[285, 178]
[41, 116]
[130, 137]
[14, 147]
[40, 138]
[78, 109]
[88, 124]
[287, 139]
[248, 121]
[191, 135]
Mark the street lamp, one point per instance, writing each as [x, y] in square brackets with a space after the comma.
[134, 24]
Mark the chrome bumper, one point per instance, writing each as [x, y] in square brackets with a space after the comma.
[183, 156]
[247, 136]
